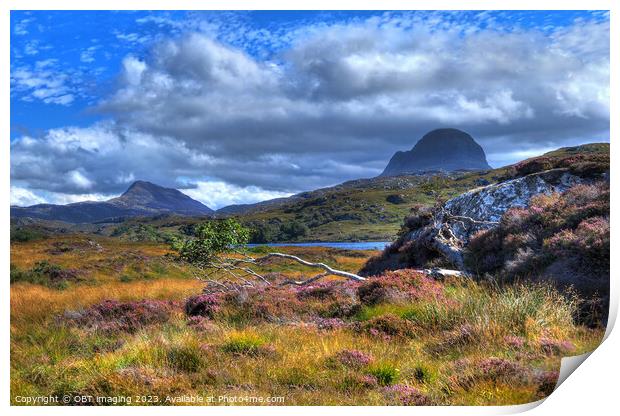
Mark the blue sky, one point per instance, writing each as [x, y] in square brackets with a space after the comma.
[88, 46]
[72, 74]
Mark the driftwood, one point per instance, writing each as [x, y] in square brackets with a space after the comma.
[329, 270]
[241, 274]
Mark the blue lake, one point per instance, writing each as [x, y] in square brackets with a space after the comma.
[364, 245]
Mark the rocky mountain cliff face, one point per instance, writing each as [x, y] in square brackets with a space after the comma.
[439, 150]
[141, 199]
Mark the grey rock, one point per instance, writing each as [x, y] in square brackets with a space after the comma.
[482, 208]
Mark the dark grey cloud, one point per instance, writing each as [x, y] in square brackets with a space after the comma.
[333, 106]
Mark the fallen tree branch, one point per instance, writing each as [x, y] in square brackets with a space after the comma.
[328, 269]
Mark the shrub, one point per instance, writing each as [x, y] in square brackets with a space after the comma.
[112, 315]
[372, 292]
[23, 235]
[498, 369]
[408, 396]
[419, 217]
[395, 199]
[385, 373]
[458, 338]
[203, 305]
[401, 285]
[389, 325]
[547, 381]
[45, 273]
[329, 323]
[423, 374]
[341, 307]
[515, 342]
[270, 303]
[292, 230]
[352, 358]
[534, 165]
[555, 347]
[321, 291]
[354, 382]
[200, 323]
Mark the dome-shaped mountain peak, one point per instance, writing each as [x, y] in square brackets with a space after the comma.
[445, 149]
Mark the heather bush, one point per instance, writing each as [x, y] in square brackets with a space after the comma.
[556, 347]
[514, 341]
[206, 305]
[467, 372]
[356, 382]
[419, 216]
[458, 338]
[329, 324]
[582, 164]
[547, 381]
[320, 291]
[408, 395]
[499, 369]
[389, 325]
[533, 165]
[46, 274]
[342, 307]
[351, 358]
[401, 285]
[270, 304]
[112, 315]
[372, 292]
[200, 323]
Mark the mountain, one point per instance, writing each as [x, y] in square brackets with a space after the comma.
[439, 150]
[140, 199]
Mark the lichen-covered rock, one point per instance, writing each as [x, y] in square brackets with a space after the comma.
[482, 208]
[439, 236]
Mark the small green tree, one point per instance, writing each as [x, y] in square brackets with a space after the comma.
[217, 249]
[211, 240]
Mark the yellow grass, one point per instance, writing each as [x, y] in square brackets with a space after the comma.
[171, 359]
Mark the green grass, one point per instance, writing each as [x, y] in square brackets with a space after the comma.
[385, 373]
[245, 344]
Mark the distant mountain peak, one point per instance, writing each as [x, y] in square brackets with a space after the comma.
[142, 198]
[445, 149]
[141, 186]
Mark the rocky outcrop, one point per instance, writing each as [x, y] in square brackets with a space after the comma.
[445, 231]
[443, 150]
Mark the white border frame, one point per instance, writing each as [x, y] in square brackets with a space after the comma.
[591, 389]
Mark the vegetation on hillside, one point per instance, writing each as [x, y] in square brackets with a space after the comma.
[402, 338]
